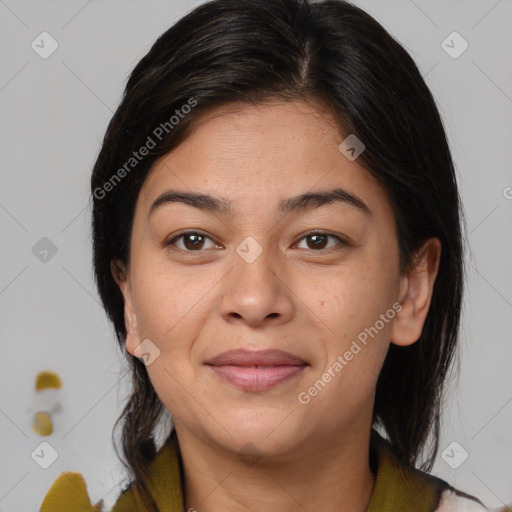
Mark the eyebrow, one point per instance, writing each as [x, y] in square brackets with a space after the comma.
[302, 202]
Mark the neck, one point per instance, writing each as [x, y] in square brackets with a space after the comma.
[321, 475]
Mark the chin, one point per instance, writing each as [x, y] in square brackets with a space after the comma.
[261, 434]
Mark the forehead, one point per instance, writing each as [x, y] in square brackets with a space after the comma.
[265, 152]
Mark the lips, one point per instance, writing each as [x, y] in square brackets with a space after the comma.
[269, 357]
[256, 371]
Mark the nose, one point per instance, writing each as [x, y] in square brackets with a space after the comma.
[257, 292]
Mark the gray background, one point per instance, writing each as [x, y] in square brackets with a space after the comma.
[54, 113]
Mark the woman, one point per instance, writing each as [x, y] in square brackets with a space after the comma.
[278, 242]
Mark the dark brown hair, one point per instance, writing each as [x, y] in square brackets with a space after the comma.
[331, 52]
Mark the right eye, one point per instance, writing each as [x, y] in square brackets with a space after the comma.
[192, 241]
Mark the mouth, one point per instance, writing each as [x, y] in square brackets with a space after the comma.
[256, 371]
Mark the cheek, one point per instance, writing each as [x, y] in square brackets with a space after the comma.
[169, 302]
[175, 393]
[355, 309]
[172, 308]
[349, 299]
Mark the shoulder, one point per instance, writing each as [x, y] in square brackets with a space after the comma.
[454, 501]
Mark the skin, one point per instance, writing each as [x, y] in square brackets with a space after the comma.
[252, 451]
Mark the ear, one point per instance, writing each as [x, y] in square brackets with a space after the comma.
[122, 278]
[416, 289]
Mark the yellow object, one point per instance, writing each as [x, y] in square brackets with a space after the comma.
[42, 424]
[46, 379]
[70, 495]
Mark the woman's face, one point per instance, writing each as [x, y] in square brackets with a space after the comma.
[316, 279]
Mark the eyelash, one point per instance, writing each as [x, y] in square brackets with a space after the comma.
[342, 241]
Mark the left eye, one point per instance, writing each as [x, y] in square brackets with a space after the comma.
[319, 240]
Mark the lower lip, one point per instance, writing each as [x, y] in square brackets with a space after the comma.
[250, 378]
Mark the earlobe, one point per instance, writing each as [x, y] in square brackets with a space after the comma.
[122, 279]
[132, 333]
[118, 271]
[416, 290]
